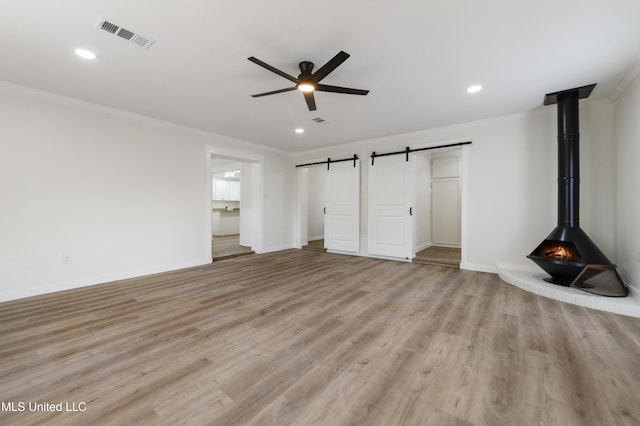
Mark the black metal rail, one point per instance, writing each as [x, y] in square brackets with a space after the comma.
[329, 161]
[408, 150]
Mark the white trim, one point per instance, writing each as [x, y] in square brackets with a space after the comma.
[372, 256]
[423, 246]
[633, 72]
[301, 231]
[447, 245]
[277, 248]
[101, 279]
[464, 205]
[316, 238]
[242, 156]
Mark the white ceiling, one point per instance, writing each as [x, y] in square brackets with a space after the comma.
[417, 58]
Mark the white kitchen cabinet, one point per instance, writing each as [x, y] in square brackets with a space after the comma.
[225, 222]
[234, 190]
[220, 190]
[226, 190]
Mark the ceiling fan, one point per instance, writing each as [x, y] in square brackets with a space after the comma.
[309, 81]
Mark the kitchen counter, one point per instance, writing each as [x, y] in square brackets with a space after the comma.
[225, 222]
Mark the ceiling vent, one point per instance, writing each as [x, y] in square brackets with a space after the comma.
[135, 38]
[318, 119]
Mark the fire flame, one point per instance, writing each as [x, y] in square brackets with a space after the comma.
[560, 253]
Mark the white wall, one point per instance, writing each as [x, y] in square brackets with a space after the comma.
[279, 203]
[627, 161]
[510, 173]
[120, 195]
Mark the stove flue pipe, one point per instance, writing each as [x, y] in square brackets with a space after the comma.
[568, 152]
[568, 160]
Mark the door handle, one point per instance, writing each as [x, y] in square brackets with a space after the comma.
[410, 211]
[324, 211]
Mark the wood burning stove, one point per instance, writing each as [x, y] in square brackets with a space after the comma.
[568, 251]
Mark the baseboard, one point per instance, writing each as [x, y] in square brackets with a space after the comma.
[457, 246]
[278, 248]
[423, 246]
[316, 238]
[101, 279]
[372, 256]
[479, 267]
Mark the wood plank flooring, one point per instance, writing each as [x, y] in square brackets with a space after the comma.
[316, 245]
[227, 246]
[307, 338]
[434, 255]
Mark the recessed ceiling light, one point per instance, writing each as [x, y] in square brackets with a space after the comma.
[86, 54]
[299, 130]
[474, 89]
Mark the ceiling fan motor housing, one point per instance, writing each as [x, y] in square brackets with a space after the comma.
[306, 68]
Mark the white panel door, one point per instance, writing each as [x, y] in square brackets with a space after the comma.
[391, 193]
[342, 209]
[445, 202]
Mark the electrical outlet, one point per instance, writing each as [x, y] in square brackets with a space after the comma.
[66, 259]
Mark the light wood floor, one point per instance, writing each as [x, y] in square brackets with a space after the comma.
[444, 256]
[227, 246]
[307, 338]
[316, 245]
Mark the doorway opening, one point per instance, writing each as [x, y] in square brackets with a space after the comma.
[234, 205]
[312, 195]
[439, 204]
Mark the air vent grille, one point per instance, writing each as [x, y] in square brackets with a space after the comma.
[125, 34]
[131, 36]
[141, 40]
[318, 119]
[109, 27]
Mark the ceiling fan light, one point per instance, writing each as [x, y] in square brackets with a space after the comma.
[306, 87]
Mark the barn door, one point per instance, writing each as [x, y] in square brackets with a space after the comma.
[342, 209]
[391, 194]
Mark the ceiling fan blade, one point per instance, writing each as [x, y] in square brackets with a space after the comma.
[311, 102]
[333, 63]
[272, 69]
[273, 92]
[337, 89]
